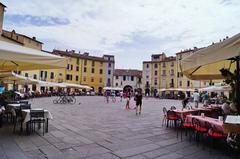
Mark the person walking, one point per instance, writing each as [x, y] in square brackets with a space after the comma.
[195, 96]
[138, 99]
[128, 100]
[205, 99]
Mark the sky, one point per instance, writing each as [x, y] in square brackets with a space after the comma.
[132, 30]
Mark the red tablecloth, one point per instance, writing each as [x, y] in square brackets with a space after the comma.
[182, 113]
[214, 122]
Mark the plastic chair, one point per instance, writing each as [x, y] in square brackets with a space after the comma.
[164, 115]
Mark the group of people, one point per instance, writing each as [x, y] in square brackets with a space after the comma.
[127, 95]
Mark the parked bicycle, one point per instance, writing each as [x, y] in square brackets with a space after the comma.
[65, 100]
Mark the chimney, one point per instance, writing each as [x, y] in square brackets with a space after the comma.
[66, 50]
[85, 53]
[34, 38]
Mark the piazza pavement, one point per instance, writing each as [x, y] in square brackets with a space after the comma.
[94, 129]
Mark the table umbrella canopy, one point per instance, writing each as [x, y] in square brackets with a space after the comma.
[206, 63]
[11, 77]
[51, 84]
[73, 85]
[216, 88]
[113, 88]
[16, 57]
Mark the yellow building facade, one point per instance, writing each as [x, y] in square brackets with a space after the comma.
[159, 73]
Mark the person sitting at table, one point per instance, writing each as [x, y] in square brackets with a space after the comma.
[226, 108]
[185, 102]
[233, 108]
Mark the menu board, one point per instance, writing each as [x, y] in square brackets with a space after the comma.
[233, 119]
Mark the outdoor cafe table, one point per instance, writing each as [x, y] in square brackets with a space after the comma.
[26, 116]
[182, 113]
[212, 121]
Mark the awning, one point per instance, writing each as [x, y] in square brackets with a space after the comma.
[11, 77]
[206, 63]
[113, 88]
[16, 57]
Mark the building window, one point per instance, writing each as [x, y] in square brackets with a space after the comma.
[76, 78]
[109, 64]
[16, 37]
[68, 77]
[85, 62]
[34, 76]
[124, 78]
[147, 77]
[180, 83]
[60, 74]
[101, 63]
[155, 65]
[100, 80]
[172, 64]
[85, 69]
[172, 72]
[45, 74]
[109, 82]
[132, 78]
[155, 73]
[188, 83]
[84, 79]
[147, 66]
[116, 84]
[101, 71]
[116, 77]
[26, 74]
[172, 83]
[41, 74]
[92, 79]
[93, 63]
[164, 72]
[77, 68]
[92, 70]
[155, 81]
[164, 64]
[77, 61]
[109, 72]
[52, 75]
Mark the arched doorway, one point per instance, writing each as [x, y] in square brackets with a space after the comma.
[127, 88]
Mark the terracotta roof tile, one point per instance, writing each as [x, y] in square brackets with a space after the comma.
[127, 72]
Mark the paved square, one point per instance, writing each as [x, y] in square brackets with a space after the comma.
[94, 129]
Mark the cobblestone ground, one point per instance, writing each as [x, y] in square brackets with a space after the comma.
[94, 129]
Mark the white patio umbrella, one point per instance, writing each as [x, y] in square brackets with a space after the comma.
[73, 85]
[16, 57]
[216, 88]
[11, 78]
[113, 88]
[206, 63]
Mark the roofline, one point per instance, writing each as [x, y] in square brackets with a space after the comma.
[12, 39]
[24, 36]
[76, 55]
[3, 5]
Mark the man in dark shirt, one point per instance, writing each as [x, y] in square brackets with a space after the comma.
[138, 99]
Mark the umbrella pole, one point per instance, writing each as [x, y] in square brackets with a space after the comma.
[237, 95]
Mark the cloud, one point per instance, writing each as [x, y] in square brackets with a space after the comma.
[26, 20]
[131, 30]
